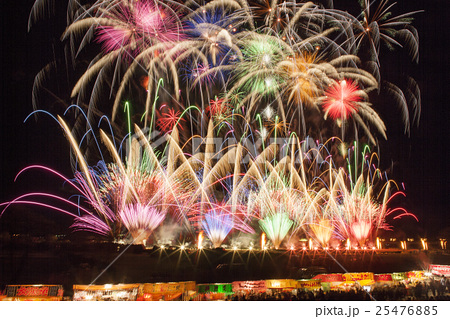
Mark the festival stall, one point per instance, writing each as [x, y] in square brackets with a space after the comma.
[440, 270]
[384, 280]
[414, 276]
[167, 291]
[106, 292]
[214, 291]
[310, 284]
[362, 279]
[330, 281]
[282, 284]
[258, 286]
[399, 276]
[33, 293]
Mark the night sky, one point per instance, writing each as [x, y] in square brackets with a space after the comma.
[420, 161]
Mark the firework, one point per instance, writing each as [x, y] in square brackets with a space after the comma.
[341, 100]
[276, 227]
[140, 221]
[322, 230]
[217, 225]
[169, 120]
[254, 91]
[251, 56]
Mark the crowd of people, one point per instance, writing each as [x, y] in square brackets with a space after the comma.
[430, 290]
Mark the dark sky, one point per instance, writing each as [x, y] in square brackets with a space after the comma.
[420, 161]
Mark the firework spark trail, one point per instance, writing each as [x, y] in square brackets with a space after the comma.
[141, 220]
[211, 27]
[217, 226]
[285, 63]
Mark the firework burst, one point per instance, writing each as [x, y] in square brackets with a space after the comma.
[341, 100]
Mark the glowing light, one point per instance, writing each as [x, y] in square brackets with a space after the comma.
[200, 240]
[361, 229]
[378, 243]
[217, 225]
[141, 220]
[403, 244]
[263, 240]
[276, 227]
[424, 243]
[135, 27]
[268, 112]
[341, 99]
[167, 121]
[322, 231]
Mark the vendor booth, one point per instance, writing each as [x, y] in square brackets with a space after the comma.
[217, 291]
[399, 276]
[360, 278]
[257, 286]
[106, 292]
[33, 293]
[167, 291]
[310, 284]
[414, 276]
[384, 280]
[440, 270]
[330, 281]
[282, 284]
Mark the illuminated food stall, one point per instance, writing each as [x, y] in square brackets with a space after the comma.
[167, 291]
[399, 276]
[440, 270]
[384, 279]
[330, 281]
[33, 293]
[310, 284]
[360, 278]
[108, 292]
[215, 291]
[249, 286]
[282, 284]
[417, 275]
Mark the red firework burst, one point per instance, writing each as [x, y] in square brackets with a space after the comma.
[218, 109]
[341, 99]
[168, 120]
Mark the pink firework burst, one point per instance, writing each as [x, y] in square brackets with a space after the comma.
[141, 220]
[341, 99]
[133, 27]
[168, 120]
